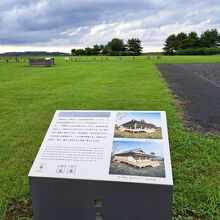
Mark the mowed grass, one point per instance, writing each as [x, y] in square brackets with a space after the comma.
[30, 96]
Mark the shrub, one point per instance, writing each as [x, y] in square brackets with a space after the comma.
[212, 51]
[198, 51]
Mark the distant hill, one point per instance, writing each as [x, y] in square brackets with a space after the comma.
[34, 53]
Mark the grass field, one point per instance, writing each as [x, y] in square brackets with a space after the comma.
[30, 96]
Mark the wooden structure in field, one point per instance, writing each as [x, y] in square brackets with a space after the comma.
[41, 62]
[135, 126]
[137, 158]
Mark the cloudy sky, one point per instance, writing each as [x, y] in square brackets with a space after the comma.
[59, 25]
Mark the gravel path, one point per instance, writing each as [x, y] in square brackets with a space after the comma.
[198, 85]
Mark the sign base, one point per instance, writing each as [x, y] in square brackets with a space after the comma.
[64, 199]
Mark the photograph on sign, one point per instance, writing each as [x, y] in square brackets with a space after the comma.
[144, 158]
[139, 125]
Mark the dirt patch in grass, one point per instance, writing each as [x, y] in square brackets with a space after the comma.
[18, 209]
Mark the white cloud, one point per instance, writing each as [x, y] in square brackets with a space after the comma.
[79, 23]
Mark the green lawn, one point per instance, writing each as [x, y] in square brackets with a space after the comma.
[30, 96]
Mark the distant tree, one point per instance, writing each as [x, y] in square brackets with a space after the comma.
[73, 51]
[210, 38]
[134, 46]
[193, 35]
[171, 44]
[102, 48]
[106, 50]
[88, 51]
[192, 41]
[96, 49]
[80, 52]
[116, 46]
[182, 44]
[181, 38]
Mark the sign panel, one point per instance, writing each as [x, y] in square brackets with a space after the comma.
[124, 146]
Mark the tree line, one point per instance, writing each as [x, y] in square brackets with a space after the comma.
[115, 47]
[208, 43]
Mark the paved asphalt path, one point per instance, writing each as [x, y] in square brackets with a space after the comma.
[198, 85]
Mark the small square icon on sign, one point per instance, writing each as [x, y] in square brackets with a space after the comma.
[41, 168]
[61, 168]
[71, 169]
